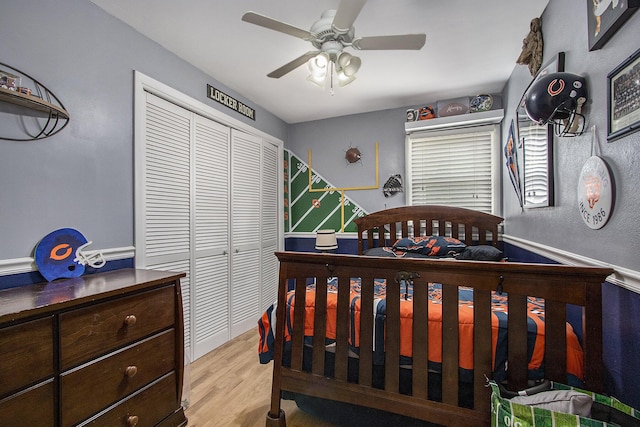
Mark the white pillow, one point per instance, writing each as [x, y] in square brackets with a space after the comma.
[567, 401]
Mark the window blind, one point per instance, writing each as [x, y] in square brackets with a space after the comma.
[454, 167]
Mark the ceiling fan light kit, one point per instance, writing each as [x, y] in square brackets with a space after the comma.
[323, 66]
[348, 65]
[332, 33]
[318, 66]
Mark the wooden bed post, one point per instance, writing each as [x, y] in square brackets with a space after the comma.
[275, 416]
[276, 422]
[592, 337]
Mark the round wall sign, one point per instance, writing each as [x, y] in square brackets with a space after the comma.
[595, 193]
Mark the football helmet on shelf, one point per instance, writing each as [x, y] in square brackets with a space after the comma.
[558, 98]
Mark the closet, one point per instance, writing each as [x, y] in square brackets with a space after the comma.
[207, 204]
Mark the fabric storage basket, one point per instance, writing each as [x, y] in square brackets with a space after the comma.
[550, 408]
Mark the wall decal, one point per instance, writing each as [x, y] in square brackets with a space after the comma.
[342, 190]
[308, 212]
[393, 185]
[353, 155]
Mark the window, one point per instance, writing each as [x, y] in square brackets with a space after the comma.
[455, 167]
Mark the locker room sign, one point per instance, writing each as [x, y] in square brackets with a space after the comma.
[230, 102]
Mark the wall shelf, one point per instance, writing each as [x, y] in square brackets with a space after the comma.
[40, 108]
[462, 120]
[49, 113]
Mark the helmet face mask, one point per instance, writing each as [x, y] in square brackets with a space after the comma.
[557, 98]
[571, 126]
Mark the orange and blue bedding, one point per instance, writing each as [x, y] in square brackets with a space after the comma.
[465, 307]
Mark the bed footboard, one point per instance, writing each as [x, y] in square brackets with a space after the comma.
[303, 327]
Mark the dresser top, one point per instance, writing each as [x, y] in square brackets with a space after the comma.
[40, 298]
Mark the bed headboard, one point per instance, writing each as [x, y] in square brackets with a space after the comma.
[470, 226]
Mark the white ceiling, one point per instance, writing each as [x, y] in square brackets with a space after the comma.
[471, 48]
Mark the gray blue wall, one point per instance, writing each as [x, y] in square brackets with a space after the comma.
[560, 226]
[83, 176]
[329, 140]
[564, 27]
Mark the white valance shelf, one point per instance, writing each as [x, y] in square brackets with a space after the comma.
[462, 120]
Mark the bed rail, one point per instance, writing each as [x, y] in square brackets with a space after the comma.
[558, 285]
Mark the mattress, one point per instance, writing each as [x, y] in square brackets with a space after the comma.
[499, 310]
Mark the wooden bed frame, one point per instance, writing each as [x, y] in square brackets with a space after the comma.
[559, 285]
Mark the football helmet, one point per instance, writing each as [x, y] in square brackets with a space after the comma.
[558, 98]
[426, 113]
[61, 254]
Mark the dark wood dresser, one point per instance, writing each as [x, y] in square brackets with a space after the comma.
[103, 350]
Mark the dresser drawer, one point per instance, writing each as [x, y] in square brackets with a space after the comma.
[95, 386]
[32, 407]
[146, 408]
[26, 354]
[93, 331]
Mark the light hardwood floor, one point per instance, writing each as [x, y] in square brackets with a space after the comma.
[229, 387]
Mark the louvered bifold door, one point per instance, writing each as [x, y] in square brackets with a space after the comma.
[269, 224]
[211, 238]
[245, 231]
[163, 183]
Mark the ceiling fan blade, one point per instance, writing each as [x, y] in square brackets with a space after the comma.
[346, 14]
[286, 68]
[399, 42]
[272, 24]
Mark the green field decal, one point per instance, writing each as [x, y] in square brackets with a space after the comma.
[308, 212]
[286, 191]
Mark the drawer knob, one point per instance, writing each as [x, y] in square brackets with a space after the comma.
[132, 420]
[131, 371]
[130, 320]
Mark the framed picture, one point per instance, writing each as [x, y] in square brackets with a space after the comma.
[605, 17]
[624, 98]
[536, 143]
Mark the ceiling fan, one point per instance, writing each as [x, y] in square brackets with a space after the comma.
[332, 33]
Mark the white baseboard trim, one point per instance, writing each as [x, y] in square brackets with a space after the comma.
[28, 264]
[623, 277]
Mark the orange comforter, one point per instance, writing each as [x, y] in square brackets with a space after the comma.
[465, 307]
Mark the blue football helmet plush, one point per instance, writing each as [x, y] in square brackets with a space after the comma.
[60, 254]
